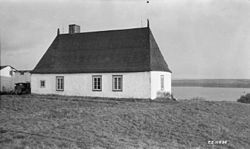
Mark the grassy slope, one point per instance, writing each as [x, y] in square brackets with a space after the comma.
[74, 122]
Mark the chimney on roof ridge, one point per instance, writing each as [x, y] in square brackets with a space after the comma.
[148, 23]
[58, 31]
[73, 28]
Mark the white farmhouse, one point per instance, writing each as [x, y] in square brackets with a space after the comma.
[115, 63]
[7, 78]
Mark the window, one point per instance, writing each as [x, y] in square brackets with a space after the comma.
[42, 84]
[162, 82]
[11, 72]
[59, 83]
[97, 83]
[117, 83]
[21, 73]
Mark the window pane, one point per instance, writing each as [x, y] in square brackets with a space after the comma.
[95, 84]
[62, 84]
[99, 84]
[115, 84]
[100, 87]
[57, 84]
[119, 83]
[162, 82]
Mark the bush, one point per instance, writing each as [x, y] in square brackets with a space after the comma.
[162, 95]
[244, 98]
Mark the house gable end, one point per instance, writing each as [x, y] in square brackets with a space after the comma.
[157, 61]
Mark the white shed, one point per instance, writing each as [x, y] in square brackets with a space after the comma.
[115, 63]
[7, 78]
[22, 76]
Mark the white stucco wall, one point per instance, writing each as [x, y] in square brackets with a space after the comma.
[6, 80]
[18, 78]
[135, 85]
[6, 71]
[156, 82]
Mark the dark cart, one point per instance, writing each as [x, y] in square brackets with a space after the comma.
[22, 88]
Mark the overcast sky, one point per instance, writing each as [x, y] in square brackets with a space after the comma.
[198, 38]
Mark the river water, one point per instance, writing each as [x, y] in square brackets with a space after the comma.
[209, 93]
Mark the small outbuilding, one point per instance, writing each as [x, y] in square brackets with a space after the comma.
[7, 78]
[22, 76]
[115, 63]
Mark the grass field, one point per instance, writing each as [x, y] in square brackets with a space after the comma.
[36, 121]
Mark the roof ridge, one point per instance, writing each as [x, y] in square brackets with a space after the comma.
[111, 30]
[3, 66]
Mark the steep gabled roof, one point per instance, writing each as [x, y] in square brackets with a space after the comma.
[130, 50]
[1, 67]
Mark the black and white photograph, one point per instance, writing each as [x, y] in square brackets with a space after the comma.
[124, 74]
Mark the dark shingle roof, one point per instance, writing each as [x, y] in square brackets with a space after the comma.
[130, 50]
[1, 67]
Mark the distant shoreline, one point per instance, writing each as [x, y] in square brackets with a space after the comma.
[221, 83]
[210, 86]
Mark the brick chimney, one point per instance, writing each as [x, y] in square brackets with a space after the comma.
[73, 28]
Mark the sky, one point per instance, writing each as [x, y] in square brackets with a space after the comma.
[199, 39]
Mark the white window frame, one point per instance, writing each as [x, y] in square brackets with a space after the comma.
[60, 83]
[117, 83]
[96, 83]
[42, 83]
[162, 82]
